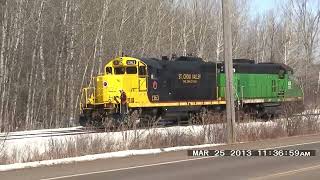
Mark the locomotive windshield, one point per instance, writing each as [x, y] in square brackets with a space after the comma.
[119, 70]
[142, 71]
[108, 70]
[131, 70]
[127, 70]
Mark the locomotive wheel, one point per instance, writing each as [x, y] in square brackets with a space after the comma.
[198, 118]
[191, 118]
[240, 116]
[133, 119]
[109, 123]
[97, 118]
[267, 117]
[83, 120]
[147, 121]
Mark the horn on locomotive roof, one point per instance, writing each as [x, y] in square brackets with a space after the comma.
[173, 57]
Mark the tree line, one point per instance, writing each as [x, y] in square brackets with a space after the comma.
[50, 49]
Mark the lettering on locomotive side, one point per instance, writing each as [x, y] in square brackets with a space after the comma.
[155, 97]
[189, 78]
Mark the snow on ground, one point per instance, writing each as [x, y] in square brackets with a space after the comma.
[42, 143]
[100, 156]
[20, 148]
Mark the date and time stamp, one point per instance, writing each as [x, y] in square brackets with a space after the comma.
[253, 153]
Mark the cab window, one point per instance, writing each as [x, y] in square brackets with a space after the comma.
[281, 74]
[153, 73]
[119, 70]
[292, 77]
[142, 71]
[131, 70]
[108, 70]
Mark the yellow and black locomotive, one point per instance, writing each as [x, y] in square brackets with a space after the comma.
[161, 89]
[153, 88]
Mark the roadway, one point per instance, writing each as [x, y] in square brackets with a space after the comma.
[177, 165]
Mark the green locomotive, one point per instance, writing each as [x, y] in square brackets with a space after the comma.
[262, 87]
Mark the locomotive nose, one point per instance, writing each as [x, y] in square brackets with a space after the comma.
[102, 86]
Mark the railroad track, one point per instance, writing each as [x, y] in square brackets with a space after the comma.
[312, 114]
[54, 133]
[43, 133]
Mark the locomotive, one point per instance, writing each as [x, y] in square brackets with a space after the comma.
[175, 89]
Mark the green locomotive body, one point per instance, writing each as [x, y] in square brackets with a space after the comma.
[272, 86]
[261, 86]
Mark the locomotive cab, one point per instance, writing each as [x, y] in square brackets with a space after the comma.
[122, 74]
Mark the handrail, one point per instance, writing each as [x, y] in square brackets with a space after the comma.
[242, 96]
[85, 96]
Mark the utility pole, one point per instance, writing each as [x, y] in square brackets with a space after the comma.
[226, 5]
[318, 88]
[319, 82]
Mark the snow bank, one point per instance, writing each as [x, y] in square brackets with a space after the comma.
[20, 148]
[100, 156]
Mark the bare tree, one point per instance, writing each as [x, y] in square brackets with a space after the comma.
[3, 71]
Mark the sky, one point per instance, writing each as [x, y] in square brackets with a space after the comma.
[261, 6]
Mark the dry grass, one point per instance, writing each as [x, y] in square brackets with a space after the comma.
[57, 149]
[259, 131]
[79, 146]
[168, 139]
[3, 155]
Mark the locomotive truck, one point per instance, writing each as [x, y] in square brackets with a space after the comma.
[162, 88]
